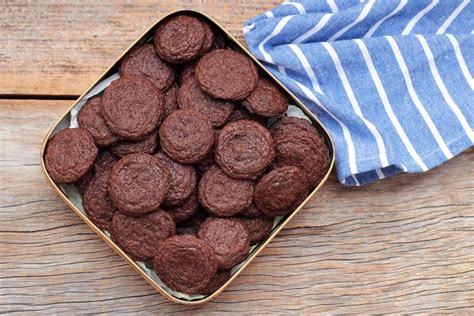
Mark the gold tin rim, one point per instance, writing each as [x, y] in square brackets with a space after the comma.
[262, 245]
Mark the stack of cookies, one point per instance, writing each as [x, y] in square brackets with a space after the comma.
[176, 162]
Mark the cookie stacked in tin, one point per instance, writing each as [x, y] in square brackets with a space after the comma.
[177, 159]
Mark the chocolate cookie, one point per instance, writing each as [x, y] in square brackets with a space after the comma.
[226, 74]
[104, 161]
[182, 180]
[90, 117]
[241, 113]
[190, 96]
[298, 143]
[281, 190]
[138, 184]
[143, 61]
[206, 163]
[179, 39]
[84, 181]
[146, 145]
[186, 136]
[266, 100]
[96, 201]
[185, 264]
[170, 98]
[259, 228]
[70, 154]
[219, 41]
[219, 279]
[228, 237]
[186, 210]
[208, 38]
[222, 195]
[244, 149]
[140, 237]
[192, 225]
[252, 212]
[132, 107]
[187, 72]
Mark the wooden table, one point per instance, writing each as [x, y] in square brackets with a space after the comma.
[405, 244]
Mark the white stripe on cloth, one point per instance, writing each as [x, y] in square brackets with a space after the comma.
[269, 14]
[418, 17]
[309, 71]
[324, 20]
[451, 18]
[332, 4]
[355, 105]
[365, 11]
[297, 5]
[442, 88]
[461, 61]
[268, 58]
[411, 91]
[374, 28]
[388, 107]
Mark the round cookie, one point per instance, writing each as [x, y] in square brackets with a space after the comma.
[266, 100]
[90, 117]
[140, 237]
[280, 191]
[170, 98]
[84, 181]
[104, 161]
[252, 212]
[219, 41]
[226, 74]
[132, 107]
[182, 180]
[146, 145]
[298, 143]
[96, 201]
[179, 39]
[244, 149]
[208, 38]
[192, 225]
[222, 195]
[190, 96]
[185, 211]
[143, 61]
[138, 184]
[185, 264]
[219, 279]
[206, 163]
[70, 154]
[258, 228]
[186, 136]
[228, 237]
[241, 113]
[187, 72]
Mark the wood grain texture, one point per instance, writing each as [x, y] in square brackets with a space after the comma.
[60, 47]
[405, 244]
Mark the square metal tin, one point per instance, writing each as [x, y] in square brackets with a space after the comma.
[139, 266]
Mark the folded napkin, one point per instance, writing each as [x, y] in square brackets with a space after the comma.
[390, 79]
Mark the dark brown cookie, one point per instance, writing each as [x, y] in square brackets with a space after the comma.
[84, 181]
[140, 237]
[186, 210]
[70, 154]
[90, 117]
[183, 180]
[266, 100]
[244, 149]
[170, 98]
[219, 279]
[222, 195]
[219, 41]
[96, 201]
[206, 163]
[252, 212]
[185, 264]
[208, 38]
[258, 228]
[104, 161]
[132, 107]
[281, 190]
[228, 237]
[186, 136]
[192, 225]
[138, 184]
[241, 113]
[179, 39]
[187, 72]
[190, 96]
[143, 61]
[146, 145]
[299, 144]
[226, 74]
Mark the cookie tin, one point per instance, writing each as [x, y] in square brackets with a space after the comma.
[142, 268]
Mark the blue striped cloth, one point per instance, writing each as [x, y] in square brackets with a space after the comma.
[390, 79]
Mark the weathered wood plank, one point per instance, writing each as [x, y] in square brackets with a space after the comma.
[405, 244]
[61, 47]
